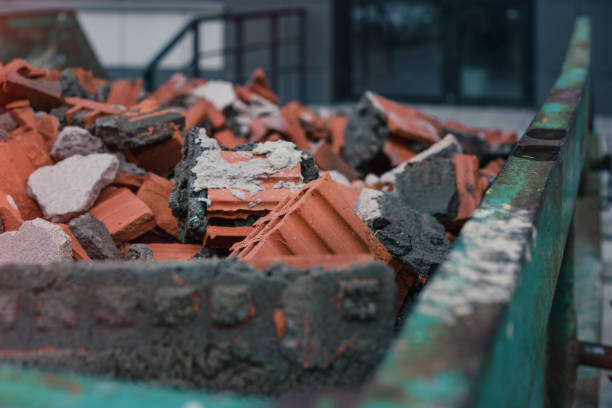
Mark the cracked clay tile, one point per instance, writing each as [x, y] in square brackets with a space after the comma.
[314, 222]
[155, 192]
[124, 214]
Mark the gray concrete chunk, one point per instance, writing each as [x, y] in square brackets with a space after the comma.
[74, 140]
[94, 237]
[71, 187]
[36, 241]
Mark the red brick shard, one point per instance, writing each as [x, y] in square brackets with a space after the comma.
[125, 93]
[204, 109]
[469, 190]
[124, 214]
[492, 136]
[259, 84]
[337, 126]
[42, 94]
[78, 252]
[155, 192]
[171, 252]
[161, 158]
[327, 159]
[95, 110]
[406, 122]
[316, 221]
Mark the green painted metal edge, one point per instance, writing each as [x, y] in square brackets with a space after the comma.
[477, 336]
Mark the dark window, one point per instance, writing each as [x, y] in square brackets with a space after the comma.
[428, 50]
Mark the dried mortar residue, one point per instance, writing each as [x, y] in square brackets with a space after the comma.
[484, 276]
[212, 171]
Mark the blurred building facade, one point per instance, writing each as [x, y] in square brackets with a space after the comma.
[484, 52]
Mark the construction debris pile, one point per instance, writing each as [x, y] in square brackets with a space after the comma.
[92, 170]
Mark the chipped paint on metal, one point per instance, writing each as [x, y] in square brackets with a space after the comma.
[475, 280]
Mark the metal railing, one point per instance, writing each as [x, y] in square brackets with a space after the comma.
[239, 48]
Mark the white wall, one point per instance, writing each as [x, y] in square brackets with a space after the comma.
[131, 39]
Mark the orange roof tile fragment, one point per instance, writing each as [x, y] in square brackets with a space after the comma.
[327, 159]
[204, 109]
[132, 181]
[492, 136]
[16, 165]
[469, 190]
[20, 81]
[96, 110]
[227, 138]
[337, 126]
[259, 84]
[155, 192]
[225, 236]
[162, 157]
[408, 123]
[171, 252]
[125, 215]
[397, 151]
[125, 92]
[314, 222]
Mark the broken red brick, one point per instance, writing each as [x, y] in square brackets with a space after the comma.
[259, 84]
[397, 151]
[142, 125]
[9, 214]
[21, 113]
[337, 126]
[125, 92]
[243, 93]
[227, 138]
[155, 192]
[48, 128]
[492, 136]
[160, 158]
[15, 168]
[131, 181]
[327, 159]
[203, 109]
[287, 123]
[26, 83]
[314, 127]
[170, 252]
[33, 144]
[177, 85]
[317, 221]
[469, 190]
[225, 236]
[96, 110]
[125, 215]
[78, 253]
[489, 172]
[406, 122]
